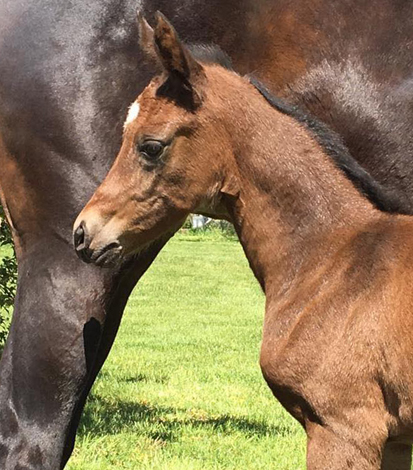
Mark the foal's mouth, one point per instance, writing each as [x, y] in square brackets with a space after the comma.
[108, 256]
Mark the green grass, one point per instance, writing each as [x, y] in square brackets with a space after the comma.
[182, 388]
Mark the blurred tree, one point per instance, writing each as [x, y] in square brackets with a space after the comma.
[8, 277]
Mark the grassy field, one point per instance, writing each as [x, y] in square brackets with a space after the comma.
[182, 388]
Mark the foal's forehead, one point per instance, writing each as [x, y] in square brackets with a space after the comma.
[134, 109]
[152, 109]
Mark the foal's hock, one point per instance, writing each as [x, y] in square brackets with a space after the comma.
[318, 231]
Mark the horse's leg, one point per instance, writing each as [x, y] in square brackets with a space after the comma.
[325, 450]
[397, 456]
[65, 319]
[129, 279]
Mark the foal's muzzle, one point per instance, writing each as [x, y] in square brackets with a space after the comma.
[106, 255]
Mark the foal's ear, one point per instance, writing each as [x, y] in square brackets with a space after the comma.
[175, 57]
[147, 40]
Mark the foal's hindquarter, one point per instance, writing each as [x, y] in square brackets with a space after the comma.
[337, 277]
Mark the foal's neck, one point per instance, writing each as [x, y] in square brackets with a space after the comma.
[294, 205]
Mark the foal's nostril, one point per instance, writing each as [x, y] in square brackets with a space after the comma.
[79, 237]
[82, 242]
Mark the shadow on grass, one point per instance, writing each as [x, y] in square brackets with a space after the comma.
[160, 379]
[159, 423]
[156, 378]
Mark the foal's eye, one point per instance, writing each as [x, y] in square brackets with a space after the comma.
[151, 149]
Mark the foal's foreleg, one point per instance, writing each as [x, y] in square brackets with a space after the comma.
[397, 456]
[328, 451]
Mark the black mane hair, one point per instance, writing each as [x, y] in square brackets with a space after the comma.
[382, 198]
[210, 54]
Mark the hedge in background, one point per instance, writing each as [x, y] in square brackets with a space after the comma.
[8, 277]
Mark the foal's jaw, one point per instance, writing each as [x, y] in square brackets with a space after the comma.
[109, 241]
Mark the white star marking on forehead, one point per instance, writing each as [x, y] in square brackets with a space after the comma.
[132, 113]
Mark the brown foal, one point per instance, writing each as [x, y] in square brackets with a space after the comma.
[337, 272]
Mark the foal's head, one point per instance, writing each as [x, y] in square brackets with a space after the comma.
[174, 158]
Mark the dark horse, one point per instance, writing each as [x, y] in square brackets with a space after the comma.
[68, 71]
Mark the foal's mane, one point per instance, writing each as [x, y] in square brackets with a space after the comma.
[383, 199]
[210, 54]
